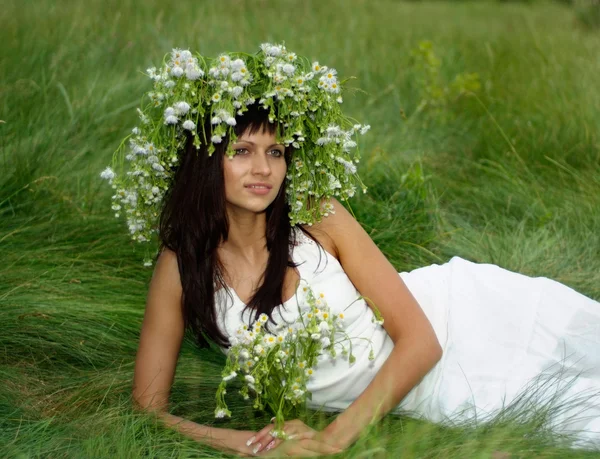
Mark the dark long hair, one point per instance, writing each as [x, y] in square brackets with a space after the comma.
[193, 222]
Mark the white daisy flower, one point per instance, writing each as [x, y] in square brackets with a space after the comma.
[258, 349]
[249, 379]
[186, 55]
[169, 84]
[193, 72]
[263, 318]
[108, 174]
[231, 121]
[136, 131]
[189, 125]
[216, 139]
[330, 74]
[220, 414]
[316, 336]
[244, 354]
[274, 51]
[325, 341]
[172, 119]
[333, 130]
[237, 64]
[237, 91]
[215, 120]
[224, 60]
[324, 326]
[289, 69]
[365, 128]
[169, 111]
[270, 340]
[181, 108]
[176, 71]
[216, 97]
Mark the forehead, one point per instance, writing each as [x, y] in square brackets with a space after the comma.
[262, 134]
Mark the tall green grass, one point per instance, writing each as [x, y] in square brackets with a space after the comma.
[510, 176]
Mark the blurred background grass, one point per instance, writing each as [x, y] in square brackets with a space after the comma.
[484, 144]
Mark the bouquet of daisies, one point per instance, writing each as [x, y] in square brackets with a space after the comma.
[275, 368]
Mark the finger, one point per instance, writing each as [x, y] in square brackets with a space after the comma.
[272, 445]
[262, 437]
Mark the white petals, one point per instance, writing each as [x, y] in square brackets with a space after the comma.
[181, 108]
[108, 174]
[189, 125]
[289, 69]
[177, 71]
[230, 376]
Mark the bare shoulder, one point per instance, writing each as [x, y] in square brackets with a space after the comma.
[166, 272]
[339, 223]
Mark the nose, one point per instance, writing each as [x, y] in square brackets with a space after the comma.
[260, 163]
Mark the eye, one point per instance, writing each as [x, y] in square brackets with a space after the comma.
[240, 151]
[277, 153]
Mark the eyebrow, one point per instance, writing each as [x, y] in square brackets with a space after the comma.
[252, 143]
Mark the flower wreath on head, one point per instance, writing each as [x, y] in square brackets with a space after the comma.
[303, 97]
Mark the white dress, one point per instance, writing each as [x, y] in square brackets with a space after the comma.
[503, 335]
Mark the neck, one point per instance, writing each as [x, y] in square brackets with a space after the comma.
[246, 239]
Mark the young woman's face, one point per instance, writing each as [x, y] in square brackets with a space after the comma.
[255, 174]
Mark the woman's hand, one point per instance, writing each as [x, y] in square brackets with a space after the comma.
[302, 447]
[237, 442]
[302, 441]
[263, 441]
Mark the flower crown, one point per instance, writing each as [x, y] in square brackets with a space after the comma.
[303, 97]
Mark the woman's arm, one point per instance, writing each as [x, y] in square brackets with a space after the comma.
[416, 348]
[158, 351]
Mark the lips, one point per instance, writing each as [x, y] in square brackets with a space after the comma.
[259, 185]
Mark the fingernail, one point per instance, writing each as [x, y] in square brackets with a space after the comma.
[273, 418]
[256, 448]
[249, 442]
[270, 445]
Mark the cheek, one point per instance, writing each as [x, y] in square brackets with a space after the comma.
[230, 174]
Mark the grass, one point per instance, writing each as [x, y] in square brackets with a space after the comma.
[509, 176]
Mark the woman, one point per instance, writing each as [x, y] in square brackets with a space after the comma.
[459, 340]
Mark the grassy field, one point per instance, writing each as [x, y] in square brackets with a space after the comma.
[508, 174]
